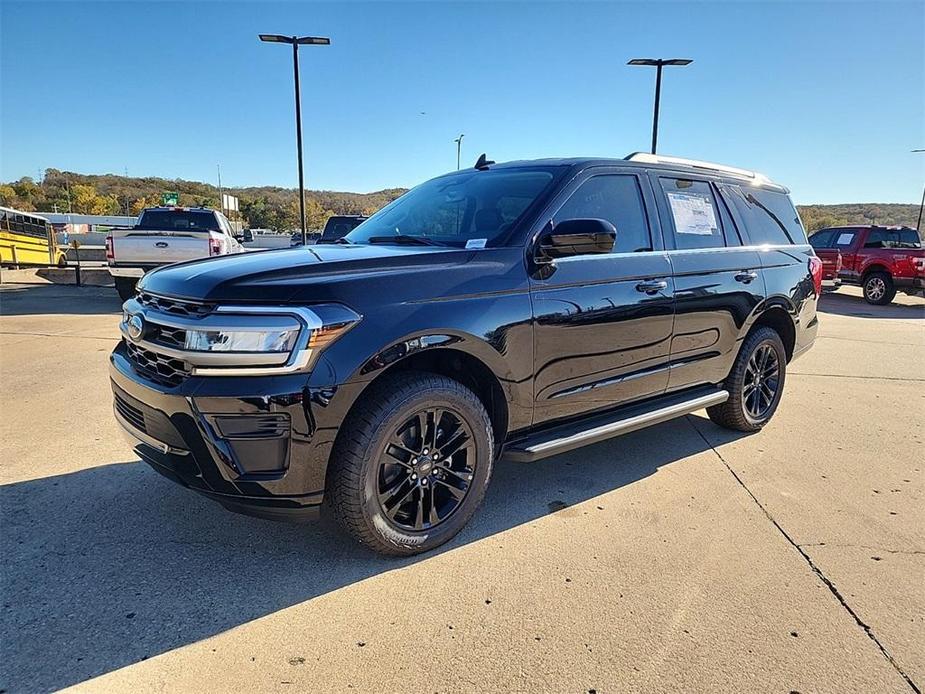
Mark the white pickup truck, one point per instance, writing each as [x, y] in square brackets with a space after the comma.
[166, 235]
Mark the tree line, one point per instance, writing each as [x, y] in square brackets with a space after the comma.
[271, 207]
[261, 207]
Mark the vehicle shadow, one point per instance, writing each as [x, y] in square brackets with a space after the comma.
[854, 306]
[111, 565]
[57, 299]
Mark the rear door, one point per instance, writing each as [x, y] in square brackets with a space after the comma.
[603, 321]
[718, 280]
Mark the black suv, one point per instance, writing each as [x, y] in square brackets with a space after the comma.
[520, 309]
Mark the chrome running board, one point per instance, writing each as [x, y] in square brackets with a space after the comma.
[599, 427]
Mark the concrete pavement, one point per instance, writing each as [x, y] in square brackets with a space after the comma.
[679, 558]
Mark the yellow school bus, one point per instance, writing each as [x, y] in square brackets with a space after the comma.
[28, 239]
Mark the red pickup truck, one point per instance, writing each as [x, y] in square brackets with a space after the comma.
[881, 260]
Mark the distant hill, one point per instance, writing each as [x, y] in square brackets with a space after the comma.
[260, 206]
[820, 216]
[277, 208]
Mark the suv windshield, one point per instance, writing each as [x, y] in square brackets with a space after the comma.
[471, 208]
[179, 220]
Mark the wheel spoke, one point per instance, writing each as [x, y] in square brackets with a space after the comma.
[457, 493]
[433, 517]
[392, 494]
[419, 518]
[452, 446]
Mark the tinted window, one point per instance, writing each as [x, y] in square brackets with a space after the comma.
[185, 220]
[693, 210]
[822, 239]
[878, 238]
[616, 199]
[454, 210]
[770, 218]
[909, 238]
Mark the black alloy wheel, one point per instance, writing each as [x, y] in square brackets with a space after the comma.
[761, 383]
[426, 469]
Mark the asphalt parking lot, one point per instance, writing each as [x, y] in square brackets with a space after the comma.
[679, 558]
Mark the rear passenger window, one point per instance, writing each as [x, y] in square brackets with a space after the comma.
[770, 217]
[843, 238]
[878, 238]
[694, 214]
[821, 239]
[617, 199]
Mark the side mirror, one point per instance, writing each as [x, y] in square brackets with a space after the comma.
[577, 237]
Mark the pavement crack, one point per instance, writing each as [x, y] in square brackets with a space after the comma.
[884, 550]
[815, 569]
[871, 378]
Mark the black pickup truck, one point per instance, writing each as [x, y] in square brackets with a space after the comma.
[519, 310]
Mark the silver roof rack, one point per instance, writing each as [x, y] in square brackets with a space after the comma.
[647, 158]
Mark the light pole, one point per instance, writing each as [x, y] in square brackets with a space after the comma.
[297, 41]
[458, 142]
[658, 64]
[918, 224]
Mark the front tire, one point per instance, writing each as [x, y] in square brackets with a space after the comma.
[878, 289]
[125, 286]
[411, 463]
[755, 383]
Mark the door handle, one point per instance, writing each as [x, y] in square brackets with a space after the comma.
[652, 286]
[746, 277]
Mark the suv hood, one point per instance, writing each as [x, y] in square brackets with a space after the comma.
[305, 273]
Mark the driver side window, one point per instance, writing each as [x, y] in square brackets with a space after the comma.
[617, 199]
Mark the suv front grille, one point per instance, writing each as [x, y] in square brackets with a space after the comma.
[169, 337]
[159, 368]
[176, 307]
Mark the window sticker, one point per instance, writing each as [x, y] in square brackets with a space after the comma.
[476, 243]
[693, 213]
[845, 239]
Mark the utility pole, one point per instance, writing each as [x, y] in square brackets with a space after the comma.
[221, 193]
[918, 224]
[458, 142]
[658, 64]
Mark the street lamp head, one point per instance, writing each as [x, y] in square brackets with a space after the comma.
[655, 62]
[301, 40]
[313, 41]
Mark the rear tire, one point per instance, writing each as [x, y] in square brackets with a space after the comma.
[878, 289]
[755, 383]
[384, 489]
[125, 286]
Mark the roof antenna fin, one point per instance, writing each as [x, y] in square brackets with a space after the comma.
[483, 163]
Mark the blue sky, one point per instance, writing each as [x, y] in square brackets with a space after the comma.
[824, 97]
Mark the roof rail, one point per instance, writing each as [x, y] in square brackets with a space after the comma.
[648, 158]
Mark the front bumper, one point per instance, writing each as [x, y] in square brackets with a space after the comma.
[257, 445]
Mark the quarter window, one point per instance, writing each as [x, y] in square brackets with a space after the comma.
[694, 214]
[770, 217]
[617, 199]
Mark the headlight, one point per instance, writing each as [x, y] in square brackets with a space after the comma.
[241, 341]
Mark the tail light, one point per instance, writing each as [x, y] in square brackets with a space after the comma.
[815, 269]
[919, 264]
[215, 246]
[110, 256]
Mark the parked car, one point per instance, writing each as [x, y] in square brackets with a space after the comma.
[524, 309]
[831, 267]
[166, 235]
[881, 260]
[339, 225]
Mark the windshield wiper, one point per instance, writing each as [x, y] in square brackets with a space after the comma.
[404, 239]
